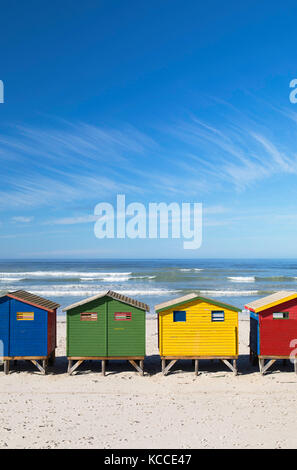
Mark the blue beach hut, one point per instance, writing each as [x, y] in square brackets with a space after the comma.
[27, 329]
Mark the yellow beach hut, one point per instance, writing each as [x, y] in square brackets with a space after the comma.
[195, 327]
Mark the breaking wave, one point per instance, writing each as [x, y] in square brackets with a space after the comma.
[242, 278]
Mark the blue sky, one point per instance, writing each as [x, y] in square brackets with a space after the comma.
[172, 101]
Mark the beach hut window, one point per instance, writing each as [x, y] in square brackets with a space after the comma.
[123, 316]
[280, 315]
[25, 315]
[88, 316]
[217, 315]
[179, 315]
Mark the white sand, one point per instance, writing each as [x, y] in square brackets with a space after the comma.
[124, 410]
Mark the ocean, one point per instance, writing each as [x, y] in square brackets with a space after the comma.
[151, 281]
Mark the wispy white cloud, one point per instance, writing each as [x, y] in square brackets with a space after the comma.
[31, 235]
[43, 166]
[22, 219]
[48, 166]
[83, 219]
[233, 152]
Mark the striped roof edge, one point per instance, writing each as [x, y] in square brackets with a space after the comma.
[32, 299]
[187, 298]
[113, 295]
[271, 300]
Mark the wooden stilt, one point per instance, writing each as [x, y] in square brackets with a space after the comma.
[167, 369]
[141, 365]
[6, 367]
[235, 367]
[261, 365]
[196, 366]
[69, 365]
[295, 365]
[39, 367]
[74, 367]
[231, 367]
[103, 367]
[230, 361]
[267, 365]
[44, 365]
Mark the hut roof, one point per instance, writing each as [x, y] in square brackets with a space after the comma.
[188, 298]
[32, 299]
[271, 300]
[113, 295]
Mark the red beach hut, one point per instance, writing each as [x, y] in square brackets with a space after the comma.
[273, 328]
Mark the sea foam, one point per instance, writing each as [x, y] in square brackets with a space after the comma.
[242, 278]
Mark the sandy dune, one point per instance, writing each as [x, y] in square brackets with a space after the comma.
[124, 410]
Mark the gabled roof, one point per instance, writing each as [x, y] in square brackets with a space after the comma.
[32, 299]
[271, 300]
[190, 297]
[112, 295]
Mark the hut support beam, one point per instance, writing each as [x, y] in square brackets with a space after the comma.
[231, 367]
[196, 367]
[6, 367]
[137, 367]
[167, 369]
[230, 362]
[74, 367]
[235, 367]
[44, 365]
[103, 367]
[264, 367]
[39, 367]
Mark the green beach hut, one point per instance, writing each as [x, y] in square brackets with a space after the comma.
[104, 327]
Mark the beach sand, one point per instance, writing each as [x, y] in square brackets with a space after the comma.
[123, 410]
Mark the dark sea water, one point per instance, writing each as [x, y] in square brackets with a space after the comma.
[151, 281]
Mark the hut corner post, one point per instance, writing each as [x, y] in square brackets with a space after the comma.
[103, 367]
[232, 367]
[72, 368]
[166, 369]
[42, 368]
[196, 367]
[6, 367]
